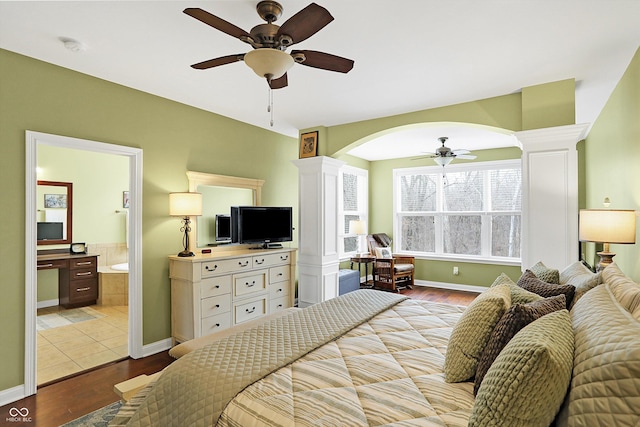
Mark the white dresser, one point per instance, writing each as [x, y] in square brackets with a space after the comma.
[211, 292]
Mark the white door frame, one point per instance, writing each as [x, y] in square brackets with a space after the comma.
[33, 139]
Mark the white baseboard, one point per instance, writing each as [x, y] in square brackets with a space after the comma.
[11, 395]
[156, 347]
[452, 286]
[48, 303]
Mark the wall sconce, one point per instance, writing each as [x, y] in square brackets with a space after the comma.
[185, 205]
[606, 227]
[359, 228]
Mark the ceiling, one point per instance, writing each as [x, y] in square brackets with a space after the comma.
[409, 55]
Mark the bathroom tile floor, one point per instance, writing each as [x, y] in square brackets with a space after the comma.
[70, 349]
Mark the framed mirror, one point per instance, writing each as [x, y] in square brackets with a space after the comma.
[54, 217]
[219, 193]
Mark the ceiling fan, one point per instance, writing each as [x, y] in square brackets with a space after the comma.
[444, 155]
[269, 41]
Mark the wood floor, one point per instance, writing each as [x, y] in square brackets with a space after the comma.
[68, 399]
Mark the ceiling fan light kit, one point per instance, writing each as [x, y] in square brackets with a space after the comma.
[269, 63]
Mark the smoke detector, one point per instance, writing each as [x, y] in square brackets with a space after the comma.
[73, 45]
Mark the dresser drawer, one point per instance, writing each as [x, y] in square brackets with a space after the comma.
[249, 283]
[215, 323]
[268, 260]
[278, 304]
[225, 266]
[279, 274]
[54, 263]
[83, 273]
[215, 305]
[83, 290]
[215, 286]
[250, 310]
[278, 290]
[86, 262]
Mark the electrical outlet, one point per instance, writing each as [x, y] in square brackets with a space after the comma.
[455, 271]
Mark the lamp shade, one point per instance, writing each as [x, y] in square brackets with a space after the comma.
[185, 204]
[607, 226]
[443, 161]
[270, 63]
[358, 227]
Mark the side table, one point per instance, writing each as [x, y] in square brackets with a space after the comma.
[366, 260]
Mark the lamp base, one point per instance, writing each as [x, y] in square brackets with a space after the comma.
[186, 253]
[606, 258]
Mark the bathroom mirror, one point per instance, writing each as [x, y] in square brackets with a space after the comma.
[54, 201]
[219, 193]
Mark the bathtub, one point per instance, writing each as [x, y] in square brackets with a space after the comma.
[120, 267]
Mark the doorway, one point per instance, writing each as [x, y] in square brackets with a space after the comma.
[35, 140]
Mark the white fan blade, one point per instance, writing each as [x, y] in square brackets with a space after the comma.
[465, 156]
[462, 151]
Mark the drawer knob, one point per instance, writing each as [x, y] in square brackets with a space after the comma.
[44, 265]
[217, 305]
[284, 257]
[83, 289]
[280, 274]
[88, 273]
[243, 264]
[250, 311]
[279, 305]
[217, 325]
[215, 267]
[217, 286]
[84, 263]
[250, 284]
[261, 261]
[280, 290]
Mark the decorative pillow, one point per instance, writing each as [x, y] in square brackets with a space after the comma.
[383, 253]
[527, 383]
[546, 274]
[518, 294]
[625, 290]
[606, 370]
[531, 282]
[516, 318]
[578, 275]
[471, 333]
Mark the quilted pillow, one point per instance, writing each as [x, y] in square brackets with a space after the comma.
[605, 388]
[526, 384]
[546, 274]
[516, 318]
[471, 333]
[578, 275]
[625, 290]
[518, 294]
[531, 282]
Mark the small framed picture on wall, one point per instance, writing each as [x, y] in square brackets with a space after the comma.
[309, 144]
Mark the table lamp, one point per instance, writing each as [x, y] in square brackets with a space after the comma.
[359, 228]
[185, 205]
[606, 227]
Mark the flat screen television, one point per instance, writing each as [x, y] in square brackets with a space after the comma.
[223, 228]
[261, 224]
[49, 231]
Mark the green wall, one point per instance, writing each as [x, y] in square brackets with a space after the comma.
[38, 96]
[612, 161]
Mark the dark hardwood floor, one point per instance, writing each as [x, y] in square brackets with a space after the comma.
[63, 401]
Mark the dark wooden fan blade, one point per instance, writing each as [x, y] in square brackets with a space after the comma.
[305, 23]
[223, 60]
[280, 82]
[325, 61]
[217, 23]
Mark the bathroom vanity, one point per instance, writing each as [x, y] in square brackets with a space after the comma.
[77, 276]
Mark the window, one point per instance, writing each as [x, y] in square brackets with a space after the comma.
[472, 211]
[353, 206]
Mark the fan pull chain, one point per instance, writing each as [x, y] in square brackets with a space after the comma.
[270, 106]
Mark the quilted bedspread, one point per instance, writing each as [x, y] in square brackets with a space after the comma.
[194, 390]
[386, 372]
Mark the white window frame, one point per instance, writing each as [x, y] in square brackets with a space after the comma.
[439, 213]
[363, 194]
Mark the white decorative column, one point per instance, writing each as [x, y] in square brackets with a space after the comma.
[550, 195]
[318, 256]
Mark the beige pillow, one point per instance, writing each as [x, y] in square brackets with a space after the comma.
[625, 290]
[526, 384]
[579, 276]
[605, 388]
[518, 295]
[546, 274]
[471, 333]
